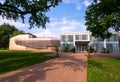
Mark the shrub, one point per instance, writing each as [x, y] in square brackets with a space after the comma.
[66, 49]
[90, 49]
[104, 50]
[57, 51]
[73, 49]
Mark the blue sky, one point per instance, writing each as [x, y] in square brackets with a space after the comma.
[68, 16]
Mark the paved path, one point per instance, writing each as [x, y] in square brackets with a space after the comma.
[66, 68]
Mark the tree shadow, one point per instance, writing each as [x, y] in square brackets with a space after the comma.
[40, 71]
[96, 64]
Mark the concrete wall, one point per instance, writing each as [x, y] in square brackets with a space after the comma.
[27, 42]
[14, 46]
[48, 49]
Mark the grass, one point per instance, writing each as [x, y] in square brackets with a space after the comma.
[12, 60]
[103, 70]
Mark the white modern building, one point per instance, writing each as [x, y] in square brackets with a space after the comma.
[81, 40]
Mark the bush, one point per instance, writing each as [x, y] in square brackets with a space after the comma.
[90, 49]
[104, 50]
[57, 51]
[73, 49]
[66, 49]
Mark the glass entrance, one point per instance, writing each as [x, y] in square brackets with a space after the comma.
[81, 47]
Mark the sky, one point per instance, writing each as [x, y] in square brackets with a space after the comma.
[68, 16]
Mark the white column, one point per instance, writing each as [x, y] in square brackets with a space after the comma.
[88, 37]
[105, 43]
[74, 40]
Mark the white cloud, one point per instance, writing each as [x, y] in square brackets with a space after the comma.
[78, 3]
[44, 32]
[56, 27]
[12, 22]
[86, 3]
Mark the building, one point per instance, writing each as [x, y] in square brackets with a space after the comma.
[81, 40]
[119, 39]
[28, 42]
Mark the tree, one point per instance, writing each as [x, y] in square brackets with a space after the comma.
[34, 9]
[103, 16]
[6, 31]
[57, 51]
[33, 36]
[17, 33]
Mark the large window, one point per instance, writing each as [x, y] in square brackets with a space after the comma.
[70, 38]
[113, 47]
[67, 38]
[113, 38]
[84, 37]
[81, 37]
[99, 39]
[76, 37]
[63, 38]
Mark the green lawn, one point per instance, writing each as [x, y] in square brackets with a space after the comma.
[12, 60]
[103, 70]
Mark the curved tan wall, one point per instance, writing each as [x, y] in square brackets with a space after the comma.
[14, 46]
[26, 42]
[48, 49]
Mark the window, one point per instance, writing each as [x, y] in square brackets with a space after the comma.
[99, 39]
[76, 37]
[63, 39]
[84, 37]
[113, 38]
[81, 37]
[70, 38]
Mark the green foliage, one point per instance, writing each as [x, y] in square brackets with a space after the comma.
[32, 35]
[104, 50]
[103, 70]
[12, 60]
[17, 33]
[73, 50]
[34, 9]
[90, 49]
[66, 48]
[101, 16]
[6, 31]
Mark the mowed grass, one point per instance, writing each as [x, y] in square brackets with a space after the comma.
[12, 60]
[103, 70]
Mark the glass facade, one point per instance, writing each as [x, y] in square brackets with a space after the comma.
[67, 38]
[70, 38]
[81, 37]
[98, 44]
[84, 37]
[113, 47]
[113, 38]
[76, 37]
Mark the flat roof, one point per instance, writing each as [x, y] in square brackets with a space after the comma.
[87, 32]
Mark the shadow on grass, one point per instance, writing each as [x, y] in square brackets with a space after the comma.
[95, 64]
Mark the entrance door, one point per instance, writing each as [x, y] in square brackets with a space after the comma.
[81, 47]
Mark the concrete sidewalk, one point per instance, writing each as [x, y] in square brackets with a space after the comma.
[69, 67]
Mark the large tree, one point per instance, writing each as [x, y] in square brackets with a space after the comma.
[102, 16]
[6, 31]
[34, 9]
